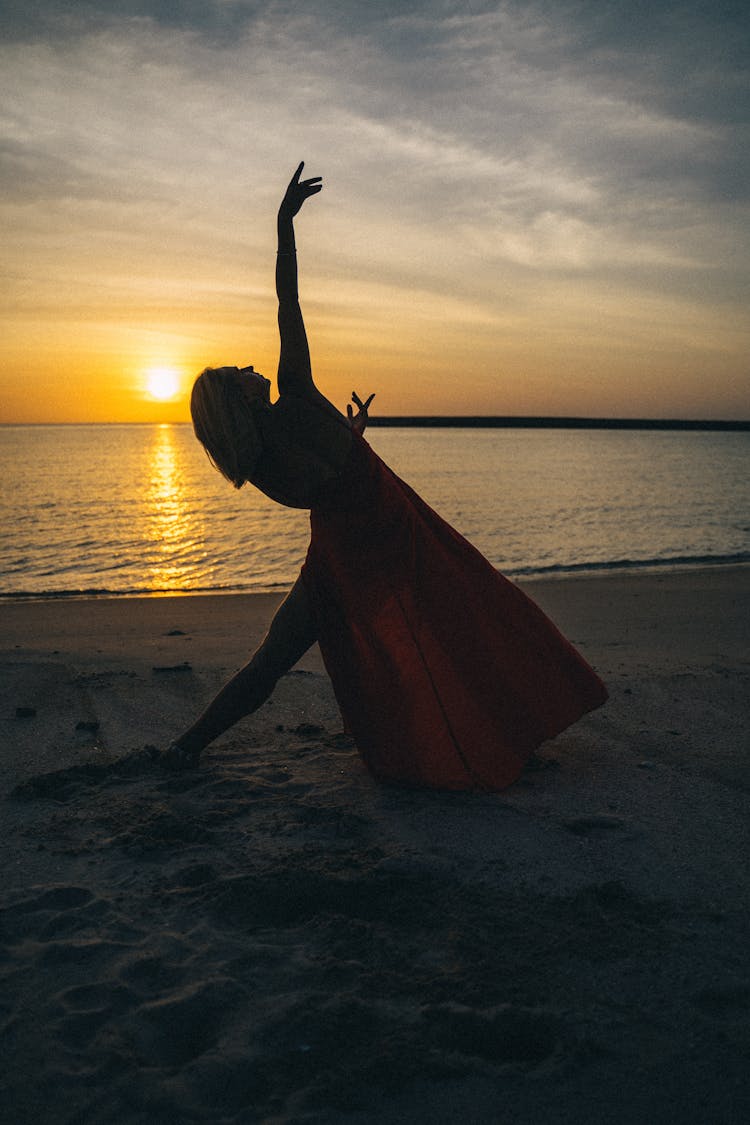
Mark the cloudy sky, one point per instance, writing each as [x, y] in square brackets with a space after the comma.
[529, 208]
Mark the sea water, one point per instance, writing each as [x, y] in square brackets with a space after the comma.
[137, 509]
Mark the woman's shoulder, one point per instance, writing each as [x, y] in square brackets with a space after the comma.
[308, 407]
[314, 425]
[304, 447]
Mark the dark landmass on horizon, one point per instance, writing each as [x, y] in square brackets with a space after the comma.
[509, 421]
[490, 421]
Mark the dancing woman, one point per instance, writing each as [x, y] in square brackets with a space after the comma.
[445, 673]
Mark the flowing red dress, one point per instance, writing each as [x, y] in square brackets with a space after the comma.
[446, 674]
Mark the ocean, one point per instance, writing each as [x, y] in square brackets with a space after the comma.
[137, 509]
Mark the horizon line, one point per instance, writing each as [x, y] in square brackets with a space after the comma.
[487, 421]
[545, 421]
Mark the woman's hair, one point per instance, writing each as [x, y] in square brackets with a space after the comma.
[226, 425]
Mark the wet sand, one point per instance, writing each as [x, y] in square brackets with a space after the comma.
[277, 937]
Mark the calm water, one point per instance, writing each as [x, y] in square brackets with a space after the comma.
[137, 509]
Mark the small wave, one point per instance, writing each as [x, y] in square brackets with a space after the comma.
[610, 565]
[140, 592]
[555, 570]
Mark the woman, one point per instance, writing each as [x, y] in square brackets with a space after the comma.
[445, 673]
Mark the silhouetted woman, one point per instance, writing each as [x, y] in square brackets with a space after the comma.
[446, 674]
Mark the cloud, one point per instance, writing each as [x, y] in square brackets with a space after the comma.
[487, 151]
[59, 20]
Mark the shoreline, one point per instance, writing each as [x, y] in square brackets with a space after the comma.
[228, 625]
[277, 937]
[522, 578]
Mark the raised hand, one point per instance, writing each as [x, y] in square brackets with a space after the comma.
[359, 420]
[298, 191]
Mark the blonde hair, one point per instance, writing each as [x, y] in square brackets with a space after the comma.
[226, 425]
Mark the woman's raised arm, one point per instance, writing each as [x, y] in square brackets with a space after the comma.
[295, 374]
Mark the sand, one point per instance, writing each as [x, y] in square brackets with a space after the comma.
[276, 937]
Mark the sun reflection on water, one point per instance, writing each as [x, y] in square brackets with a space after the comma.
[171, 525]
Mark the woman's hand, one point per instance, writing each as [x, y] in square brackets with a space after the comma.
[359, 420]
[298, 191]
[177, 757]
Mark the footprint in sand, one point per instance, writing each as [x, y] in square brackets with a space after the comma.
[152, 975]
[65, 785]
[194, 875]
[29, 917]
[83, 952]
[87, 1008]
[506, 1034]
[70, 922]
[591, 825]
[171, 1031]
[727, 1002]
[157, 967]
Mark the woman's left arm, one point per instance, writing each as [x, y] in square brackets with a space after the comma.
[359, 420]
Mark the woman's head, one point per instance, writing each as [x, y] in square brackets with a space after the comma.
[225, 406]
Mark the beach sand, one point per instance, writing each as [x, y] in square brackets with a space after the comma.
[277, 937]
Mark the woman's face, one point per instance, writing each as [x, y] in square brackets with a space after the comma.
[253, 385]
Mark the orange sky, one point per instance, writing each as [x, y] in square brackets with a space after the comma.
[506, 226]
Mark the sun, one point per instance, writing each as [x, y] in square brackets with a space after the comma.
[162, 383]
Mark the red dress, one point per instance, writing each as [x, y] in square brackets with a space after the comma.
[446, 674]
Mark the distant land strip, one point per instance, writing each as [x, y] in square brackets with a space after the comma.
[529, 422]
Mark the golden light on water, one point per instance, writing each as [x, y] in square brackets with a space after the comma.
[168, 514]
[163, 383]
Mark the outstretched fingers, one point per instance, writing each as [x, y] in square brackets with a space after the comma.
[296, 182]
[359, 420]
[300, 190]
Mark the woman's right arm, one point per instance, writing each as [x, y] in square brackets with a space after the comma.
[295, 373]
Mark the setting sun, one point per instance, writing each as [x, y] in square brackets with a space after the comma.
[162, 383]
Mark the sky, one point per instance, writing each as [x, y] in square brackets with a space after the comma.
[529, 208]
